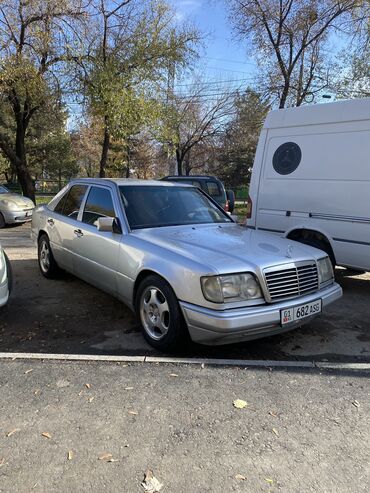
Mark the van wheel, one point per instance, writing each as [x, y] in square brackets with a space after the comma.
[321, 246]
[48, 267]
[159, 314]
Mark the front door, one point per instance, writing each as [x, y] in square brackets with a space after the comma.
[96, 256]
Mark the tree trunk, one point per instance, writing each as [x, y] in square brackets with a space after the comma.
[284, 95]
[179, 159]
[104, 152]
[23, 174]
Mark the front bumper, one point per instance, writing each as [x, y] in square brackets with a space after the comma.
[214, 327]
[21, 216]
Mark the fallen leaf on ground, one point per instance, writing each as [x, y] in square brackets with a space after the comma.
[202, 366]
[129, 388]
[91, 399]
[88, 386]
[268, 480]
[10, 433]
[240, 477]
[46, 434]
[134, 413]
[2, 461]
[28, 371]
[173, 375]
[275, 431]
[70, 455]
[272, 413]
[108, 458]
[356, 403]
[151, 483]
[240, 404]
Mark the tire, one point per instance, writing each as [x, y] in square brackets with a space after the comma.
[48, 267]
[9, 273]
[159, 315]
[321, 246]
[2, 221]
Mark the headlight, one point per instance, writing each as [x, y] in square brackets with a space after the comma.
[325, 270]
[12, 206]
[229, 288]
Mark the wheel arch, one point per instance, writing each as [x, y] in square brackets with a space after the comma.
[304, 233]
[141, 276]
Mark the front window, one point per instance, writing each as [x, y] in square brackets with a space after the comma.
[157, 206]
[99, 203]
[3, 189]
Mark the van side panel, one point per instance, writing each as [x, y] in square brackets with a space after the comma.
[328, 192]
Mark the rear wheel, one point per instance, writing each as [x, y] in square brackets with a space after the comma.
[47, 264]
[2, 221]
[159, 314]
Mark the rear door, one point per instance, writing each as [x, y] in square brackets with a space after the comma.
[96, 253]
[62, 224]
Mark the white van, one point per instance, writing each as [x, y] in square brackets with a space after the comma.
[311, 179]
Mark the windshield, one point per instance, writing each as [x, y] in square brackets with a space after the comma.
[149, 206]
[3, 189]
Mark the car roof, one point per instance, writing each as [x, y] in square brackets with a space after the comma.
[190, 177]
[127, 182]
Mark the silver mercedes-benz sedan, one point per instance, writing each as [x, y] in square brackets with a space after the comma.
[5, 278]
[180, 262]
[14, 208]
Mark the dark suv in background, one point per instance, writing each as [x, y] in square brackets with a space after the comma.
[212, 186]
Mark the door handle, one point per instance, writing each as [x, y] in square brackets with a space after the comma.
[51, 222]
[78, 233]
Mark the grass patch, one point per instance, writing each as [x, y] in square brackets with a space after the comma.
[43, 199]
[241, 211]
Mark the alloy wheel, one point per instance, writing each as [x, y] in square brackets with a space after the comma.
[154, 313]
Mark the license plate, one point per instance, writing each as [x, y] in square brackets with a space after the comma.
[300, 312]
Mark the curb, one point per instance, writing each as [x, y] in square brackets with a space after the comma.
[323, 365]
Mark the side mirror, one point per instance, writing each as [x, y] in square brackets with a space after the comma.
[111, 224]
[105, 223]
[231, 198]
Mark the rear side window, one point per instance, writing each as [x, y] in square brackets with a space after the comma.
[213, 189]
[73, 201]
[60, 205]
[99, 203]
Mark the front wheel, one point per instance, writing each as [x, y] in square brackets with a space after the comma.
[47, 264]
[159, 314]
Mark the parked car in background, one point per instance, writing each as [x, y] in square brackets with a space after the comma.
[311, 179]
[212, 186]
[14, 208]
[5, 277]
[180, 262]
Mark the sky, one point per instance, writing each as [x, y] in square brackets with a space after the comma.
[222, 57]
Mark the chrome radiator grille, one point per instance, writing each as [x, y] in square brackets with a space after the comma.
[297, 280]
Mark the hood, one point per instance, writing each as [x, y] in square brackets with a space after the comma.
[17, 199]
[229, 248]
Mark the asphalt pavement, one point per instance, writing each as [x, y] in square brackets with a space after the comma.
[94, 427]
